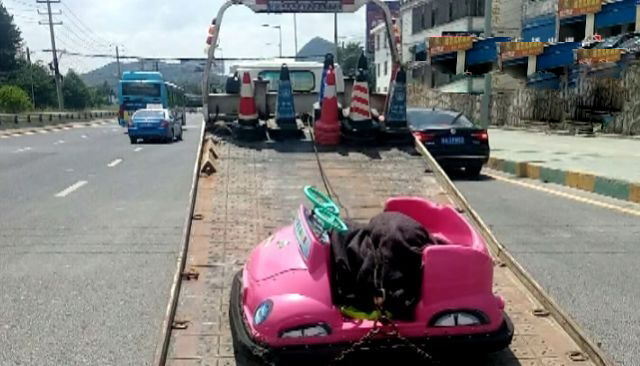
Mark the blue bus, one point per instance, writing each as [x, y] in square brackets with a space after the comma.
[143, 89]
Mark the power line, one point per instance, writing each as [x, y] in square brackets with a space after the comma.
[13, 11]
[87, 37]
[180, 59]
[24, 3]
[102, 40]
[79, 40]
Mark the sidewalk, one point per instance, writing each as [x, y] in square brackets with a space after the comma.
[605, 165]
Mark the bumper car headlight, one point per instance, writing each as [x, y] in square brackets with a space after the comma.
[458, 319]
[262, 312]
[318, 330]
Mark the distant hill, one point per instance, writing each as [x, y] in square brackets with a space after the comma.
[316, 48]
[188, 74]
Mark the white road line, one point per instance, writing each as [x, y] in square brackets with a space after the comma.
[573, 197]
[23, 149]
[84, 136]
[137, 149]
[59, 142]
[114, 163]
[72, 188]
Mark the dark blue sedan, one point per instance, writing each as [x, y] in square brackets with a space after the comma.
[154, 124]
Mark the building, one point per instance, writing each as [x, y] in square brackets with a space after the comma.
[375, 16]
[571, 21]
[421, 19]
[381, 57]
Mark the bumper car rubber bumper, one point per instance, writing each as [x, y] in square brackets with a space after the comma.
[249, 353]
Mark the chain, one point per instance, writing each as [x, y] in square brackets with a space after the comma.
[396, 334]
[359, 344]
[262, 355]
[378, 328]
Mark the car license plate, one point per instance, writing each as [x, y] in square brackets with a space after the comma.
[452, 140]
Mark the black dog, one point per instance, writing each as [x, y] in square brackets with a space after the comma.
[385, 254]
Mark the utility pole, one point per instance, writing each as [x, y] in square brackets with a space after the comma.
[280, 40]
[56, 68]
[485, 106]
[335, 33]
[295, 33]
[33, 94]
[118, 62]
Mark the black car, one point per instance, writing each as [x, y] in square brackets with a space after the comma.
[453, 140]
[617, 41]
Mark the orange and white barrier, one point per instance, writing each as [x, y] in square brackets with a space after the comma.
[327, 129]
[247, 111]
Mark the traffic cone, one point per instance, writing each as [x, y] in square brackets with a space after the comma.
[396, 111]
[359, 110]
[328, 64]
[285, 108]
[247, 111]
[327, 128]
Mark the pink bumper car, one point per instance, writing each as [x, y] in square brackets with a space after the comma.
[282, 306]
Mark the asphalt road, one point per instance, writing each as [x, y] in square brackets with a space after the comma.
[90, 228]
[586, 257]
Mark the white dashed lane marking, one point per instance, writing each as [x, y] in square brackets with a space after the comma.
[70, 189]
[59, 142]
[23, 149]
[114, 163]
[137, 149]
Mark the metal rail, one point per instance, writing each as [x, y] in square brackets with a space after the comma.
[160, 354]
[500, 253]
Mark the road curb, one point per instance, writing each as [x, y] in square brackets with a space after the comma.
[43, 120]
[610, 187]
[20, 131]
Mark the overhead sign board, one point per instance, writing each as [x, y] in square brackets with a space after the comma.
[442, 45]
[514, 50]
[595, 56]
[303, 6]
[572, 8]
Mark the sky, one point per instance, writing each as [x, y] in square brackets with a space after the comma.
[167, 28]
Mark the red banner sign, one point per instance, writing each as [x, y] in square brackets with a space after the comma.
[442, 45]
[572, 8]
[595, 56]
[513, 50]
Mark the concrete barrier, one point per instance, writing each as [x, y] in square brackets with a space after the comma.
[209, 157]
[611, 187]
[41, 119]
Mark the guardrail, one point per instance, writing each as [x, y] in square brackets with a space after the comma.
[36, 119]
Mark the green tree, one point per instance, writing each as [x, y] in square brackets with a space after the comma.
[75, 92]
[38, 76]
[10, 41]
[105, 90]
[13, 99]
[348, 57]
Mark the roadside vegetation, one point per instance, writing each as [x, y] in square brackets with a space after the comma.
[26, 86]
